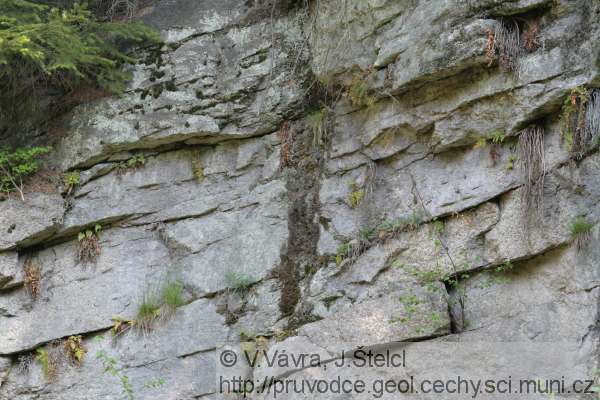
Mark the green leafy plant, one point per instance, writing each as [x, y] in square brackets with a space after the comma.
[110, 367]
[132, 164]
[75, 350]
[580, 119]
[198, 170]
[155, 383]
[49, 360]
[121, 326]
[497, 137]
[64, 48]
[510, 163]
[356, 197]
[17, 164]
[71, 180]
[342, 252]
[89, 246]
[370, 236]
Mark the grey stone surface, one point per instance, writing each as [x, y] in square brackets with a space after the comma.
[78, 298]
[29, 222]
[9, 268]
[230, 83]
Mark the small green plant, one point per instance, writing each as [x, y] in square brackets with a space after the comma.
[156, 383]
[358, 90]
[510, 163]
[17, 164]
[581, 231]
[149, 311]
[356, 197]
[172, 295]
[71, 180]
[247, 336]
[342, 252]
[495, 275]
[121, 326]
[410, 303]
[132, 164]
[378, 234]
[480, 143]
[156, 304]
[89, 246]
[238, 282]
[198, 170]
[497, 137]
[75, 350]
[507, 266]
[110, 367]
[49, 360]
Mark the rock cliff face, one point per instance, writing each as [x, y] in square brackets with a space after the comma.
[317, 176]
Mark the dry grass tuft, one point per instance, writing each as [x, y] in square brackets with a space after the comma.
[530, 35]
[531, 154]
[592, 117]
[285, 137]
[33, 278]
[507, 40]
[89, 246]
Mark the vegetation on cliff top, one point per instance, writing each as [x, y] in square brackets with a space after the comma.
[63, 49]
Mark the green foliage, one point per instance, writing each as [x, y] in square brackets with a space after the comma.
[15, 165]
[497, 137]
[342, 252]
[377, 234]
[580, 226]
[75, 350]
[157, 303]
[238, 281]
[64, 48]
[510, 163]
[135, 162]
[355, 197]
[110, 367]
[71, 180]
[156, 383]
[581, 231]
[44, 360]
[198, 170]
[358, 90]
[410, 303]
[148, 310]
[172, 295]
[48, 360]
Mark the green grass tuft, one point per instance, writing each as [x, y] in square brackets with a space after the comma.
[238, 281]
[172, 295]
[580, 226]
